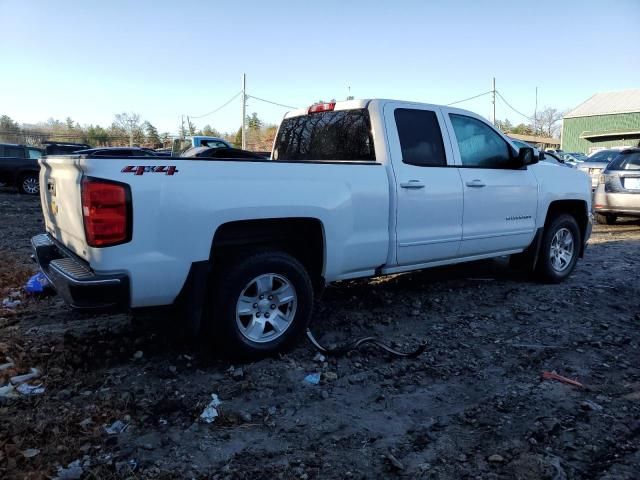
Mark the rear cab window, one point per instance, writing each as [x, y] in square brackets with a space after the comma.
[342, 135]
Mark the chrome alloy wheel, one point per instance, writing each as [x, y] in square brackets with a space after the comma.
[266, 308]
[562, 250]
[31, 185]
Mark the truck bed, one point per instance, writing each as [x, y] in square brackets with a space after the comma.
[179, 203]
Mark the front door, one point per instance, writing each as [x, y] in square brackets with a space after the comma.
[428, 186]
[500, 201]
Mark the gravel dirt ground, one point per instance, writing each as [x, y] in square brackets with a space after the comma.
[474, 405]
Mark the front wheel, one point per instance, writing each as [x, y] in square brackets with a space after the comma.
[560, 249]
[29, 184]
[261, 305]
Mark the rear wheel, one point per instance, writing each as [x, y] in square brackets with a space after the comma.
[607, 218]
[29, 184]
[261, 305]
[559, 249]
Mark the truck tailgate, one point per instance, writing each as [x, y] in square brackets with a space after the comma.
[60, 194]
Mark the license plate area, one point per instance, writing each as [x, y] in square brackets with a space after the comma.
[631, 183]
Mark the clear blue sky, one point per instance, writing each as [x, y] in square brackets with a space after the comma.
[92, 59]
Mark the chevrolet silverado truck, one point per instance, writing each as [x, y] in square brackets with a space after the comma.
[353, 189]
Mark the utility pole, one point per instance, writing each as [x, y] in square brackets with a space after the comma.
[244, 111]
[493, 99]
[535, 115]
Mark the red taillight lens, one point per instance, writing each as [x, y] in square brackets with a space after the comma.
[322, 107]
[106, 212]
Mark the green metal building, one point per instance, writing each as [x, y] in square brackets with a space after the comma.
[609, 119]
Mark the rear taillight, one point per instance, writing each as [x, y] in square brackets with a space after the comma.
[322, 107]
[106, 211]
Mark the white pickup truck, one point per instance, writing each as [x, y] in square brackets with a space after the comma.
[353, 189]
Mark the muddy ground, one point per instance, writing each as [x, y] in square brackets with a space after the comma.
[473, 406]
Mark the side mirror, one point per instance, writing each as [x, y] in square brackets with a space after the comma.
[526, 157]
[541, 155]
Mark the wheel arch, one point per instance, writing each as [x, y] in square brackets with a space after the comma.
[302, 237]
[576, 208]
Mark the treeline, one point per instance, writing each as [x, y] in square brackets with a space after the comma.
[545, 123]
[127, 129]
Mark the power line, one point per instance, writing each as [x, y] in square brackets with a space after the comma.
[470, 98]
[509, 105]
[273, 103]
[219, 108]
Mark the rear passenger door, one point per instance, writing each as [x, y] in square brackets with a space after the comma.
[428, 188]
[500, 199]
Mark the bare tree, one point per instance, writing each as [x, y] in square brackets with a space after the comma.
[548, 122]
[130, 124]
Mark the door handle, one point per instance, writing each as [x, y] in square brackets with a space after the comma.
[412, 184]
[477, 183]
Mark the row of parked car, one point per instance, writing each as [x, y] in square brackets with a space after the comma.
[19, 163]
[615, 179]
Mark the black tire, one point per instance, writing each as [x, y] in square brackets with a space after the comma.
[608, 218]
[221, 327]
[545, 269]
[25, 181]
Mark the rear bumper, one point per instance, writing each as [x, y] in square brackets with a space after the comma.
[73, 279]
[622, 203]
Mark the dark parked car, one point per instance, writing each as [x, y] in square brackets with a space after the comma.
[217, 152]
[118, 152]
[63, 148]
[618, 191]
[19, 167]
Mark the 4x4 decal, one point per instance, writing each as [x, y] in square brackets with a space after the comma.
[142, 169]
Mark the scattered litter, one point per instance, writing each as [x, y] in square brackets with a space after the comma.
[394, 461]
[495, 458]
[35, 373]
[72, 472]
[138, 355]
[8, 392]
[10, 303]
[6, 366]
[236, 373]
[589, 405]
[560, 378]
[211, 412]
[26, 389]
[330, 376]
[319, 358]
[116, 427]
[126, 467]
[312, 379]
[30, 452]
[37, 283]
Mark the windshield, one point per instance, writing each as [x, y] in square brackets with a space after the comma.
[332, 135]
[604, 156]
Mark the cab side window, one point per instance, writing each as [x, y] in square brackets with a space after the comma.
[480, 146]
[420, 138]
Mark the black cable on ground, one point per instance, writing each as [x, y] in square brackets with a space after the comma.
[339, 351]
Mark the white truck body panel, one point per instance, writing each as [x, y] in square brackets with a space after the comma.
[375, 218]
[176, 217]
